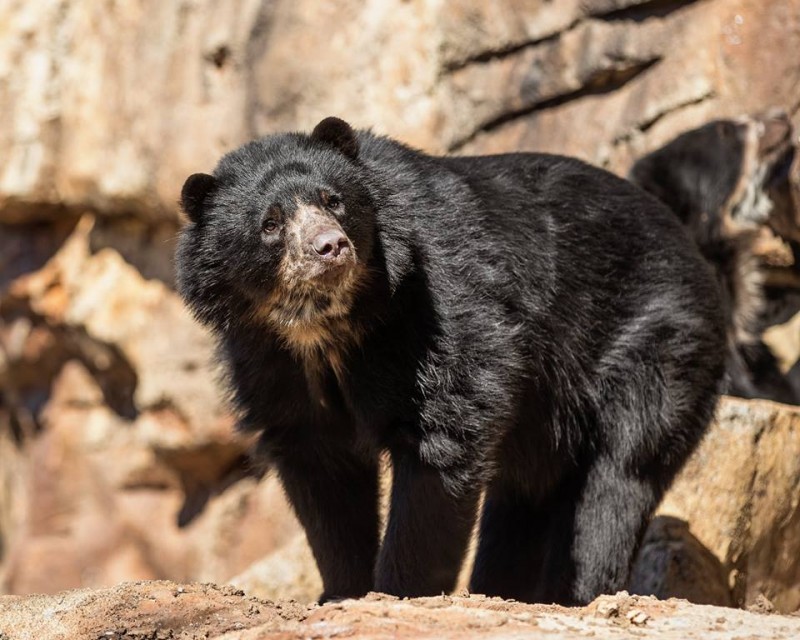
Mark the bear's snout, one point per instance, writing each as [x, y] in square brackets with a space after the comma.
[330, 243]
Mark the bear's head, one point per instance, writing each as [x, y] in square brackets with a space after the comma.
[727, 177]
[281, 233]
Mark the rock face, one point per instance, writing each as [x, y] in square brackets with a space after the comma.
[117, 455]
[110, 107]
[130, 466]
[194, 612]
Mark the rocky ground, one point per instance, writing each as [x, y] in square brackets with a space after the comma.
[169, 611]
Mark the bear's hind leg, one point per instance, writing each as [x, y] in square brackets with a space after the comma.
[574, 544]
[610, 518]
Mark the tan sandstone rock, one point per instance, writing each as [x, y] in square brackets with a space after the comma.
[133, 469]
[194, 612]
[110, 107]
[737, 500]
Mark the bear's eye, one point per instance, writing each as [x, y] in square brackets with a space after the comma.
[270, 226]
[330, 200]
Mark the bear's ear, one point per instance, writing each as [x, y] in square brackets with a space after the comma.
[337, 133]
[196, 189]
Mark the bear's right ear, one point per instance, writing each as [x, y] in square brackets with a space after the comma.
[337, 133]
[196, 189]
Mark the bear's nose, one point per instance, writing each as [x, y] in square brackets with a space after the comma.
[330, 243]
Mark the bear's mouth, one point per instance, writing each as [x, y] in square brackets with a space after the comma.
[305, 308]
[325, 277]
[314, 319]
[312, 295]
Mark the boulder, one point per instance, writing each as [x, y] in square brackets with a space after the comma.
[728, 531]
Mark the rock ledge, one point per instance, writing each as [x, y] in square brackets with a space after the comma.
[165, 610]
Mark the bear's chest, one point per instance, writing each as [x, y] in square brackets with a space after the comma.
[374, 391]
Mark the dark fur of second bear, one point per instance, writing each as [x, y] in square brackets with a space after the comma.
[727, 181]
[522, 324]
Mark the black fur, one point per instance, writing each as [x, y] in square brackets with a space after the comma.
[337, 133]
[725, 180]
[196, 189]
[522, 324]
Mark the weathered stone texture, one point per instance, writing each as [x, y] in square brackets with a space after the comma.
[109, 105]
[205, 611]
[729, 529]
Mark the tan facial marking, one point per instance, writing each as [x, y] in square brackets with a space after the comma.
[312, 317]
[748, 203]
[742, 230]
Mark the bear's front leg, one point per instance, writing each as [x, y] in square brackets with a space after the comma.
[430, 522]
[335, 496]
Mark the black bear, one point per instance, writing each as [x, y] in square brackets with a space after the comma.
[511, 326]
[728, 182]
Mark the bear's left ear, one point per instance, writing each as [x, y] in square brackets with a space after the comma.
[337, 133]
[196, 189]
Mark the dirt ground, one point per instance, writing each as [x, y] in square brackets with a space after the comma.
[163, 610]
